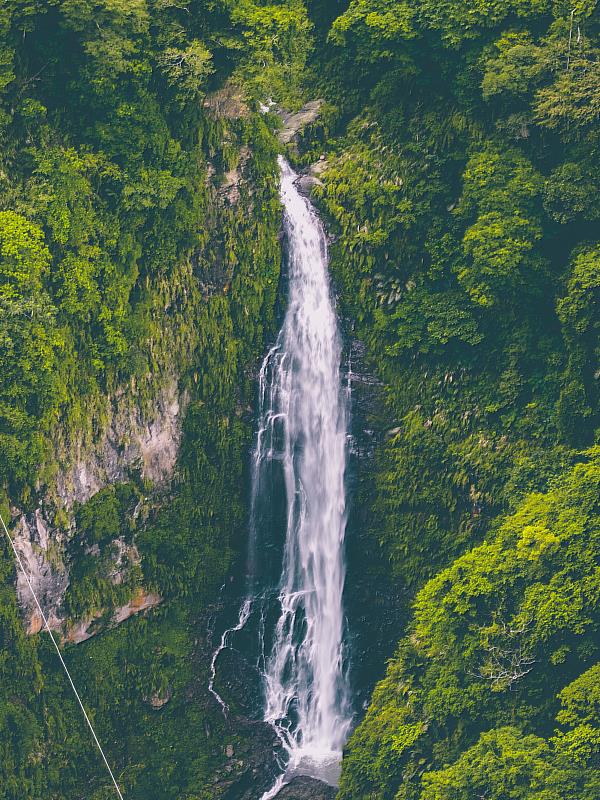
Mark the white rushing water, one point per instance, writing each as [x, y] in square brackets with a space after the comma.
[298, 493]
[303, 426]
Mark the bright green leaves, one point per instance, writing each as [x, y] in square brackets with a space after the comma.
[28, 343]
[498, 179]
[277, 43]
[86, 283]
[104, 169]
[458, 20]
[455, 20]
[503, 765]
[376, 28]
[497, 247]
[187, 69]
[514, 67]
[502, 190]
[549, 546]
[578, 743]
[536, 541]
[64, 195]
[581, 700]
[24, 257]
[364, 190]
[570, 191]
[480, 316]
[7, 53]
[112, 31]
[517, 613]
[577, 310]
[106, 177]
[571, 105]
[556, 76]
[507, 764]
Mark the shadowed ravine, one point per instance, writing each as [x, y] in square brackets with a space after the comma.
[298, 491]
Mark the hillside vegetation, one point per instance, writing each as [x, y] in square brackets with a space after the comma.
[462, 150]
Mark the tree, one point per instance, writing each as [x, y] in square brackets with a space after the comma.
[187, 69]
[28, 342]
[505, 764]
[501, 190]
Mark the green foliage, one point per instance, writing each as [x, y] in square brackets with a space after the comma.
[373, 27]
[97, 557]
[28, 344]
[187, 69]
[568, 193]
[444, 192]
[103, 184]
[459, 188]
[503, 764]
[121, 264]
[277, 38]
[578, 402]
[501, 191]
[514, 67]
[495, 636]
[572, 103]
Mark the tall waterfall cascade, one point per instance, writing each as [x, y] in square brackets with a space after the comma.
[298, 492]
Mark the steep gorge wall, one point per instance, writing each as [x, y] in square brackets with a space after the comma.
[134, 430]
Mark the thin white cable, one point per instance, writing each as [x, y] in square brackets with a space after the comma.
[62, 661]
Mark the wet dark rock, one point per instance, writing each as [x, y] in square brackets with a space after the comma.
[254, 768]
[239, 684]
[375, 603]
[304, 788]
[247, 753]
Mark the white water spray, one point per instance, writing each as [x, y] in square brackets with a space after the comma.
[303, 426]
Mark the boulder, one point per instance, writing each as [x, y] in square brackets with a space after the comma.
[305, 788]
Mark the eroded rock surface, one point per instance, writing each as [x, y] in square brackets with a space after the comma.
[134, 438]
[87, 628]
[46, 574]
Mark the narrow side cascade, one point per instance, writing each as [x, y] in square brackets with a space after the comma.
[298, 495]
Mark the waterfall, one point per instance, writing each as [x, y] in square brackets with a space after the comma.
[298, 494]
[303, 430]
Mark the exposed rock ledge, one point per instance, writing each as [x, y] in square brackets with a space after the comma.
[134, 438]
[140, 602]
[40, 554]
[312, 177]
[294, 123]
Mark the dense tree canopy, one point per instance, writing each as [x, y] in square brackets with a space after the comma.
[461, 193]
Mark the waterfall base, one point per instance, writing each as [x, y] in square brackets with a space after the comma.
[326, 767]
